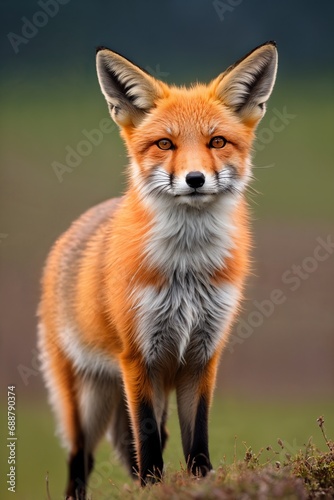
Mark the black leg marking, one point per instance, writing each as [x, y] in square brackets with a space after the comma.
[150, 454]
[79, 471]
[199, 460]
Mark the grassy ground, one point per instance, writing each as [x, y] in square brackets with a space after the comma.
[235, 427]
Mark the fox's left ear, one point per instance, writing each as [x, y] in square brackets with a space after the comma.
[246, 86]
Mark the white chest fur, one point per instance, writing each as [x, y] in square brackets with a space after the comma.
[186, 317]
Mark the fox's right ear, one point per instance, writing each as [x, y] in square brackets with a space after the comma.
[130, 91]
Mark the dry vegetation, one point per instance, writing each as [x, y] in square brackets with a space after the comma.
[309, 474]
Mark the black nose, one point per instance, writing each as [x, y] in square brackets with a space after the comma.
[195, 179]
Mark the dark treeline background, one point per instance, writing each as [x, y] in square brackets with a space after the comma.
[189, 37]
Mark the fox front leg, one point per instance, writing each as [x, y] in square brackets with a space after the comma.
[194, 394]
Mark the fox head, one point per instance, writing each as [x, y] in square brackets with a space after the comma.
[190, 145]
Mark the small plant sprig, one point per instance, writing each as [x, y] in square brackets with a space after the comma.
[314, 467]
[329, 443]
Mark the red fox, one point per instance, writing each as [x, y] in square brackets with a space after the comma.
[139, 295]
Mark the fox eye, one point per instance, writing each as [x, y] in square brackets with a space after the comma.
[217, 142]
[165, 144]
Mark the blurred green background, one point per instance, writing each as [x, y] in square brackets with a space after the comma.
[277, 375]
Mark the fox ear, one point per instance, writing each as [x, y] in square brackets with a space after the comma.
[246, 86]
[130, 91]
